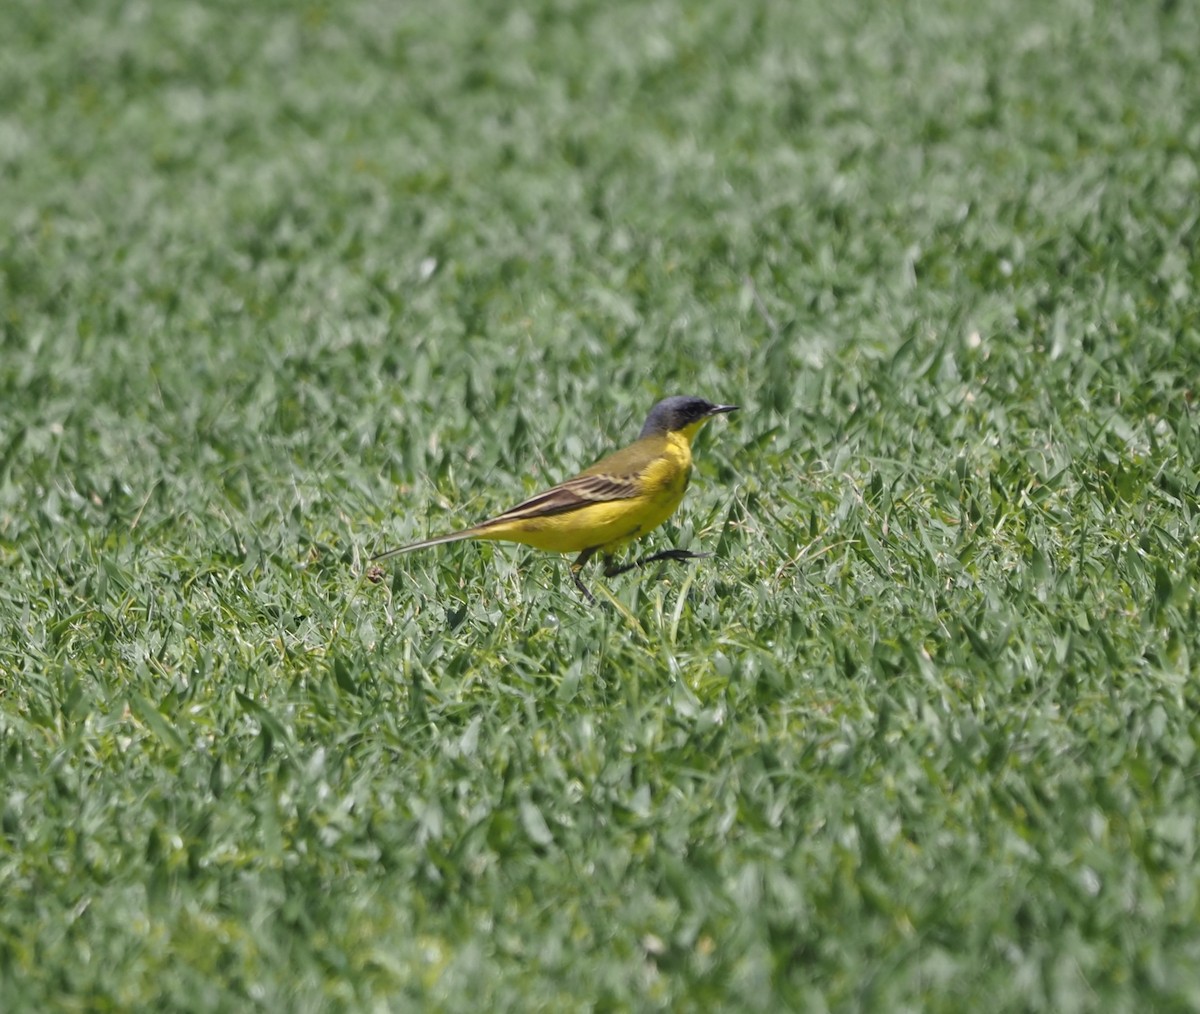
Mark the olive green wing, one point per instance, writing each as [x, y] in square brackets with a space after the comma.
[616, 477]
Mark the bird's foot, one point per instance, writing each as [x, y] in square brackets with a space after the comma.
[612, 569]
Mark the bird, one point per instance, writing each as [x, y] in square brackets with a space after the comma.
[621, 497]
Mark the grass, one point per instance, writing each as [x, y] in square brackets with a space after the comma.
[282, 285]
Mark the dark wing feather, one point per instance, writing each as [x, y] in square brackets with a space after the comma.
[582, 491]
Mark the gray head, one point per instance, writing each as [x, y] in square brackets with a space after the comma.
[681, 413]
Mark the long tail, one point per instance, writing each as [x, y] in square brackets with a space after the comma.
[466, 533]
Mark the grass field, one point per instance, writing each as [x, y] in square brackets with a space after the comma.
[281, 285]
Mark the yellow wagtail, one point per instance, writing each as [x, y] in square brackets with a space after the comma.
[625, 495]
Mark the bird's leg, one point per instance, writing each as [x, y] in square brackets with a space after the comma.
[612, 569]
[576, 567]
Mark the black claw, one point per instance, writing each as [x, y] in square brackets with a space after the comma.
[576, 567]
[612, 570]
[587, 593]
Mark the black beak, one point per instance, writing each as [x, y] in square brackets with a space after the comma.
[722, 409]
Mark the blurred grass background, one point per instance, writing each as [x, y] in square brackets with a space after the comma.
[283, 284]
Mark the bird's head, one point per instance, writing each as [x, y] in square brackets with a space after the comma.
[681, 414]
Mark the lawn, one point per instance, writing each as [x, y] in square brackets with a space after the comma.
[283, 285]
